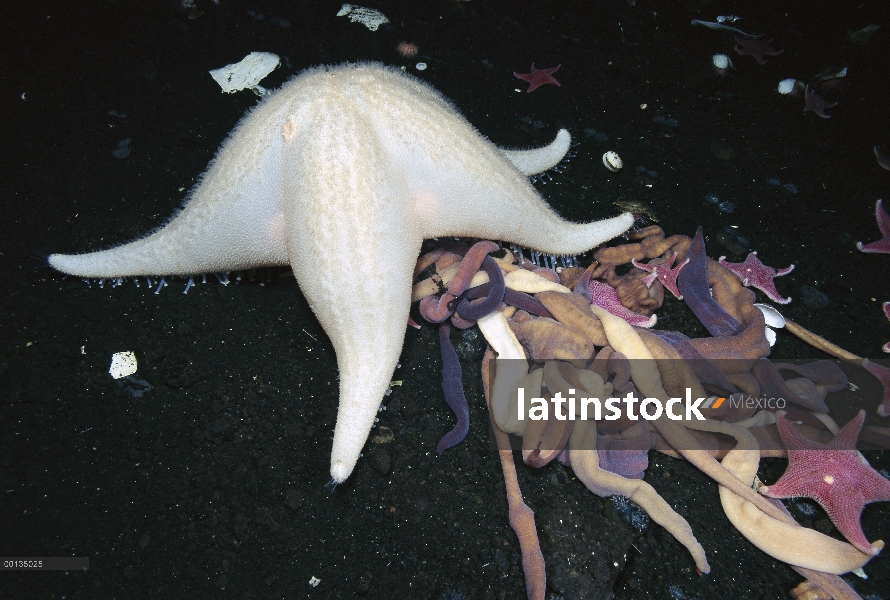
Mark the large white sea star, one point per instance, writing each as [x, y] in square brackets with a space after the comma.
[347, 165]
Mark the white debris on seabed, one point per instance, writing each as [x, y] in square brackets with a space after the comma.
[247, 73]
[314, 581]
[122, 364]
[370, 18]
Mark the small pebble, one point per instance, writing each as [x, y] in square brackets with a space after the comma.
[293, 498]
[722, 150]
[382, 462]
[813, 297]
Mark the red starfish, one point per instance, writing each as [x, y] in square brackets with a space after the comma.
[882, 246]
[835, 475]
[816, 103]
[753, 272]
[538, 77]
[665, 273]
[756, 48]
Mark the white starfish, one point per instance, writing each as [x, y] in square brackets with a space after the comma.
[343, 167]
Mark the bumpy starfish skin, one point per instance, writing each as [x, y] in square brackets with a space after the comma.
[343, 165]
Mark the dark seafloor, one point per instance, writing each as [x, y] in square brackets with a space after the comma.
[212, 484]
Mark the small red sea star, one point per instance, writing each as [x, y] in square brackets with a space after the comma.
[538, 77]
[754, 273]
[756, 48]
[816, 103]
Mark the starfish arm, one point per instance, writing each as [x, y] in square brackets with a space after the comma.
[232, 220]
[879, 247]
[844, 507]
[649, 279]
[878, 485]
[792, 439]
[849, 433]
[538, 160]
[792, 484]
[488, 199]
[336, 214]
[642, 266]
[735, 268]
[785, 271]
[773, 294]
[883, 218]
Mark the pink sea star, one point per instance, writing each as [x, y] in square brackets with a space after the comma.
[605, 296]
[816, 103]
[752, 272]
[538, 77]
[835, 475]
[882, 246]
[756, 48]
[666, 273]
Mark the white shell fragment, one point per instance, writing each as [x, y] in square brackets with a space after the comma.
[786, 86]
[370, 18]
[772, 317]
[247, 73]
[721, 61]
[612, 161]
[122, 364]
[421, 66]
